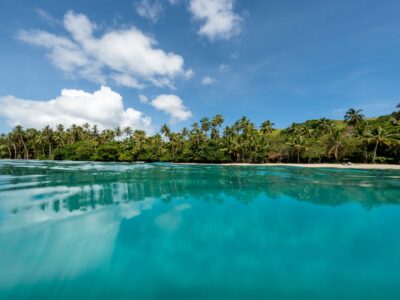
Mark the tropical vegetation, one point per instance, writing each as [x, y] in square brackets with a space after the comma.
[354, 139]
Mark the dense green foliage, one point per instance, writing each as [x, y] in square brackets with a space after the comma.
[355, 139]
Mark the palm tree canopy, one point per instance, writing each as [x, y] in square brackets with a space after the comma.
[354, 117]
[267, 127]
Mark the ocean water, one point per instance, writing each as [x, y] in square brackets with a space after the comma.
[79, 230]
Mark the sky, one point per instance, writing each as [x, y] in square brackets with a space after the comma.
[143, 63]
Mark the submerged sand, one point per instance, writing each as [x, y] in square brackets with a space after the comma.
[338, 166]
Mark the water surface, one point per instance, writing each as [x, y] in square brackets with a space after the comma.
[78, 230]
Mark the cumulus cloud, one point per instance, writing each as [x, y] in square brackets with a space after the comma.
[127, 57]
[219, 19]
[207, 80]
[151, 10]
[103, 107]
[173, 106]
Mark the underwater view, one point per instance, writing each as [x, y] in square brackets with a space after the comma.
[79, 230]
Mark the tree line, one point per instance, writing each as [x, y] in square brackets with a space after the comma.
[353, 139]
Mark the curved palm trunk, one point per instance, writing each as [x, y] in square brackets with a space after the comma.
[375, 151]
[15, 151]
[50, 150]
[26, 151]
[9, 151]
[336, 152]
[366, 154]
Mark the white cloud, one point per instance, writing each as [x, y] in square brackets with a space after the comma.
[49, 19]
[103, 107]
[173, 106]
[143, 99]
[151, 10]
[219, 19]
[207, 80]
[126, 80]
[128, 57]
[189, 74]
[223, 68]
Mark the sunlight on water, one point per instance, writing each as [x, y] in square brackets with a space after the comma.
[77, 230]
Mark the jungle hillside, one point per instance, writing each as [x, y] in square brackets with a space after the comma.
[354, 139]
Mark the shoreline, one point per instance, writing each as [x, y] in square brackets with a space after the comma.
[326, 165]
[359, 166]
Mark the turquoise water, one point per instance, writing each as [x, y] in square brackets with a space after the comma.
[76, 230]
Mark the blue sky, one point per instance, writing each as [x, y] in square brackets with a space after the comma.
[164, 61]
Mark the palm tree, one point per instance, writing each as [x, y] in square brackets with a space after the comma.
[48, 134]
[362, 134]
[205, 125]
[75, 133]
[298, 143]
[106, 136]
[166, 131]
[267, 127]
[379, 136]
[336, 142]
[86, 128]
[19, 137]
[216, 123]
[60, 128]
[307, 131]
[4, 141]
[139, 136]
[95, 132]
[59, 135]
[184, 132]
[128, 131]
[118, 132]
[196, 134]
[354, 117]
[324, 125]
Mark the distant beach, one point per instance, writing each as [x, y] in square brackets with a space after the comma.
[338, 166]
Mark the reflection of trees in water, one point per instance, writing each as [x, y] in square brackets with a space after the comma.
[211, 184]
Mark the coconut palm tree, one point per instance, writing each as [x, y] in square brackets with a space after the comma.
[48, 135]
[379, 136]
[95, 132]
[59, 136]
[4, 142]
[216, 123]
[118, 132]
[19, 136]
[86, 128]
[128, 131]
[166, 131]
[196, 134]
[354, 117]
[266, 127]
[205, 125]
[298, 143]
[336, 142]
[185, 132]
[106, 136]
[75, 133]
[324, 125]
